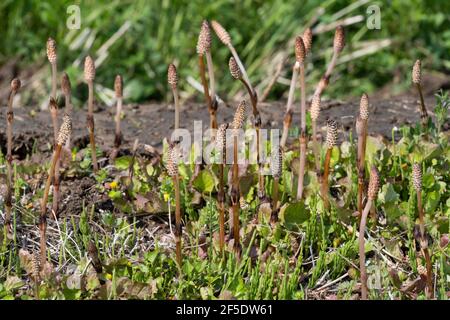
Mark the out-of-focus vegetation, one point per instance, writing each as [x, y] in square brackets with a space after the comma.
[164, 31]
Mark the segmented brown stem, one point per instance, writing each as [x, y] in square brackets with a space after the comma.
[316, 147]
[43, 215]
[221, 200]
[274, 215]
[301, 171]
[210, 101]
[289, 109]
[362, 251]
[178, 231]
[326, 172]
[9, 158]
[91, 125]
[235, 196]
[424, 246]
[423, 108]
[54, 80]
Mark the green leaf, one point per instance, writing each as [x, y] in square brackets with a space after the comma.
[388, 194]
[294, 214]
[123, 163]
[13, 282]
[204, 182]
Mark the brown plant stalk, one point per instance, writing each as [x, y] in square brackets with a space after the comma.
[89, 76]
[237, 124]
[118, 84]
[237, 74]
[361, 131]
[417, 80]
[172, 169]
[315, 112]
[417, 183]
[330, 143]
[64, 133]
[338, 46]
[374, 186]
[221, 147]
[276, 166]
[300, 54]
[66, 89]
[172, 80]
[15, 86]
[204, 49]
[225, 38]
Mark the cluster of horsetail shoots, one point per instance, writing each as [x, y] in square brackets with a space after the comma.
[204, 50]
[15, 86]
[89, 76]
[417, 80]
[237, 124]
[417, 183]
[118, 90]
[372, 192]
[221, 144]
[172, 170]
[63, 135]
[330, 143]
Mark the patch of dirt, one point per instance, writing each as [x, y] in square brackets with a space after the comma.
[151, 123]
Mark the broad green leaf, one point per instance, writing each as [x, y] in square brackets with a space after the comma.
[204, 182]
[123, 163]
[294, 214]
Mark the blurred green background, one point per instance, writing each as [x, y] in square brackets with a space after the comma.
[166, 31]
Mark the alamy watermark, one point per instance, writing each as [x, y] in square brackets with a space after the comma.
[73, 21]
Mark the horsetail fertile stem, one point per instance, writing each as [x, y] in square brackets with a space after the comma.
[119, 100]
[204, 48]
[54, 114]
[172, 80]
[338, 46]
[15, 86]
[221, 148]
[89, 76]
[330, 143]
[361, 131]
[225, 38]
[289, 108]
[66, 88]
[315, 112]
[417, 183]
[52, 58]
[276, 166]
[237, 74]
[372, 192]
[307, 43]
[417, 80]
[237, 124]
[64, 133]
[300, 54]
[172, 169]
